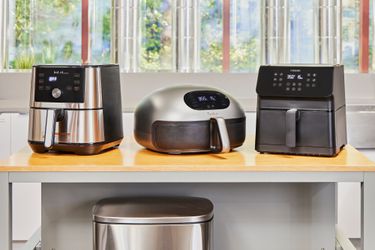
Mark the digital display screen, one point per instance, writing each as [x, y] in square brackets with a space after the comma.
[206, 98]
[69, 80]
[296, 81]
[52, 78]
[294, 77]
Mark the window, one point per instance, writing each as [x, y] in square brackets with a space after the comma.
[372, 35]
[49, 31]
[245, 35]
[157, 29]
[44, 31]
[350, 34]
[187, 35]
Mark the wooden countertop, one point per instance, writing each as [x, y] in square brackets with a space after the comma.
[132, 157]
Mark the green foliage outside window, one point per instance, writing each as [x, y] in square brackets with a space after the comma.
[49, 31]
[156, 44]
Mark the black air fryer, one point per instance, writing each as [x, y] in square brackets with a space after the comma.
[301, 110]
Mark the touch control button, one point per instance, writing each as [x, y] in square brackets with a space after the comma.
[56, 93]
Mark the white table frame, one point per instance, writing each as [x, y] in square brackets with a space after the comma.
[367, 179]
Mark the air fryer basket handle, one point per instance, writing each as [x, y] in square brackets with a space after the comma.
[291, 128]
[49, 132]
[218, 129]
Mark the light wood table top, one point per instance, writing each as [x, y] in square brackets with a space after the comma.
[132, 157]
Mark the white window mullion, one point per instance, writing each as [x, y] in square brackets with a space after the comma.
[129, 35]
[4, 12]
[275, 31]
[115, 31]
[373, 34]
[188, 33]
[327, 23]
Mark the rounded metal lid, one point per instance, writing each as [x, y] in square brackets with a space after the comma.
[153, 210]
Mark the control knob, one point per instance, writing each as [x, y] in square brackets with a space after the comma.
[56, 93]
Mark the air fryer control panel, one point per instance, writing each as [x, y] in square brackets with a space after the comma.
[295, 81]
[59, 84]
[206, 100]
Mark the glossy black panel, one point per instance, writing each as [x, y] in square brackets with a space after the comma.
[69, 80]
[206, 100]
[295, 81]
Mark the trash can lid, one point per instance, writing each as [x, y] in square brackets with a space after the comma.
[153, 210]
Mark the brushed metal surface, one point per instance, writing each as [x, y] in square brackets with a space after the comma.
[56, 93]
[168, 104]
[92, 94]
[77, 126]
[153, 210]
[153, 237]
[223, 134]
[50, 127]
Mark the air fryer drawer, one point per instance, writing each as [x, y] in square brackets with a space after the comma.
[193, 136]
[313, 128]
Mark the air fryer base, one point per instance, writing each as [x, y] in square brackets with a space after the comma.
[79, 149]
[306, 151]
[188, 137]
[188, 151]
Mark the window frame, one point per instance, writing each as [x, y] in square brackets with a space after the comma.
[137, 85]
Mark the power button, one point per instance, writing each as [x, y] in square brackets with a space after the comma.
[56, 93]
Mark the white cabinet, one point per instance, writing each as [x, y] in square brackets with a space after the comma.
[127, 125]
[4, 135]
[26, 196]
[349, 209]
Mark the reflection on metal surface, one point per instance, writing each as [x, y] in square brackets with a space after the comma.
[78, 126]
[50, 127]
[153, 237]
[153, 210]
[222, 131]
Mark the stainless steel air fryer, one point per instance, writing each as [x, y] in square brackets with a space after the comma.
[75, 108]
[189, 119]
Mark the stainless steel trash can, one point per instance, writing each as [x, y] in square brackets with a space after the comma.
[175, 223]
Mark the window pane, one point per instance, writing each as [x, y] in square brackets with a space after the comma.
[350, 35]
[101, 30]
[211, 47]
[44, 31]
[245, 35]
[301, 16]
[157, 36]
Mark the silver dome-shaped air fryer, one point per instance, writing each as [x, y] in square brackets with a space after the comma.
[189, 119]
